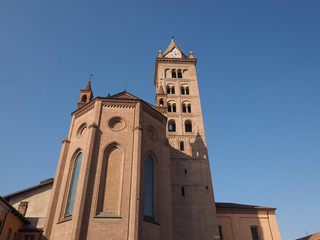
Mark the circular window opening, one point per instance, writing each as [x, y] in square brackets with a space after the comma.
[116, 124]
[151, 134]
[82, 129]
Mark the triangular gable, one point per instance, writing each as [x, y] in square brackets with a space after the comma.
[172, 46]
[124, 95]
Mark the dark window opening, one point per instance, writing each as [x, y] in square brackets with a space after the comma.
[161, 102]
[220, 233]
[184, 90]
[182, 191]
[9, 234]
[254, 232]
[185, 171]
[186, 107]
[172, 107]
[84, 98]
[182, 146]
[188, 126]
[174, 74]
[207, 187]
[170, 90]
[179, 74]
[29, 237]
[172, 127]
[148, 188]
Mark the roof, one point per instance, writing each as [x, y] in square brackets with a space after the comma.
[14, 211]
[124, 95]
[88, 86]
[42, 183]
[171, 46]
[223, 205]
[315, 236]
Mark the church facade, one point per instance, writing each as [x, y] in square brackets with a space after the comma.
[132, 170]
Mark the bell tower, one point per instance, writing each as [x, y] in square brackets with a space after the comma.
[177, 97]
[86, 95]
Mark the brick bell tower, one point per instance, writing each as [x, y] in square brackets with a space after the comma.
[177, 97]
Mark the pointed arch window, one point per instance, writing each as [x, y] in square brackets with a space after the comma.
[148, 188]
[73, 185]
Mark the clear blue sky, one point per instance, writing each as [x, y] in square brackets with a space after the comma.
[258, 71]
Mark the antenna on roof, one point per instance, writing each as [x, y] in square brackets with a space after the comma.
[125, 88]
[172, 37]
[90, 76]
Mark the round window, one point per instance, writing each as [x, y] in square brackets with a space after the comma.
[82, 129]
[116, 124]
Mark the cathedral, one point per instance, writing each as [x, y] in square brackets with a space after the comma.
[132, 170]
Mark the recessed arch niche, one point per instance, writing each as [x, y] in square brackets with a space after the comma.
[110, 189]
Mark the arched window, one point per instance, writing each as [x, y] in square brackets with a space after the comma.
[186, 107]
[161, 102]
[172, 107]
[182, 146]
[148, 188]
[173, 73]
[170, 89]
[171, 126]
[84, 98]
[184, 90]
[179, 74]
[73, 185]
[188, 126]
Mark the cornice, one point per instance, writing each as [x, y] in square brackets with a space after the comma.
[257, 210]
[176, 60]
[83, 110]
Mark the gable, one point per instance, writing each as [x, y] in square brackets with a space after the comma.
[124, 95]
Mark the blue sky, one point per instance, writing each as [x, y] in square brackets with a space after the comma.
[258, 72]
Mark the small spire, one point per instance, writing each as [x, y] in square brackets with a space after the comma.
[172, 37]
[88, 86]
[159, 53]
[191, 54]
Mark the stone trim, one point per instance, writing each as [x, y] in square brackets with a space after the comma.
[84, 111]
[117, 105]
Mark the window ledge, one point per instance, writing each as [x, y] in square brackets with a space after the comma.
[108, 215]
[150, 220]
[66, 219]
